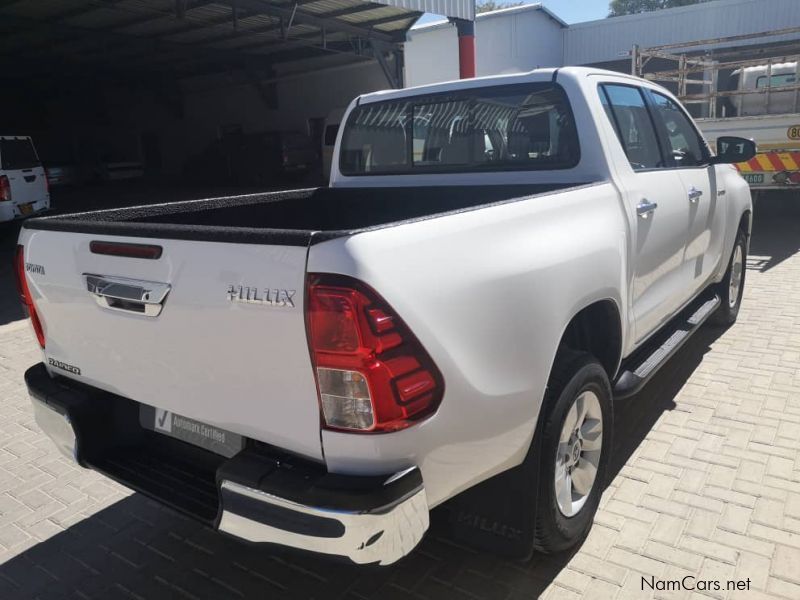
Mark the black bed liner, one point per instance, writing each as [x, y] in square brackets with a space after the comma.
[292, 217]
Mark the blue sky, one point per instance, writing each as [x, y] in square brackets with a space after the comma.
[571, 11]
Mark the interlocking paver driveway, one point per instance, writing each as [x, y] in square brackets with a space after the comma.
[705, 481]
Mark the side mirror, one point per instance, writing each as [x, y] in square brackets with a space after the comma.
[731, 150]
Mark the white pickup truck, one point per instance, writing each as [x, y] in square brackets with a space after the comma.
[494, 262]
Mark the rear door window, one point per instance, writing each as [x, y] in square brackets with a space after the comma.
[626, 108]
[18, 154]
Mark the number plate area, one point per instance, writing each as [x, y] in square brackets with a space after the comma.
[191, 431]
[754, 178]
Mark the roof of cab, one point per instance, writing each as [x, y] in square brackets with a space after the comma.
[537, 75]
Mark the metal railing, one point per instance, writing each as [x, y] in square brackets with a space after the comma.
[712, 61]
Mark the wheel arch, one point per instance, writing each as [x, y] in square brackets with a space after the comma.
[597, 329]
[746, 223]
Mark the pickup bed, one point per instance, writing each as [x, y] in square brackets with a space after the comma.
[494, 261]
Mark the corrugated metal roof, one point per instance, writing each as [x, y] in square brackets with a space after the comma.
[499, 13]
[611, 39]
[103, 32]
[462, 9]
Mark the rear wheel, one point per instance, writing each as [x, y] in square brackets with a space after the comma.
[731, 288]
[576, 446]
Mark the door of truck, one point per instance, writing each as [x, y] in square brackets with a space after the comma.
[655, 195]
[689, 157]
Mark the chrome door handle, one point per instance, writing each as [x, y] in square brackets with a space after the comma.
[129, 295]
[644, 209]
[694, 194]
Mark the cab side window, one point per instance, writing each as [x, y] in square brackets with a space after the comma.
[626, 108]
[685, 147]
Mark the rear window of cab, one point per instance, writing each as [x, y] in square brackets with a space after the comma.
[512, 127]
[17, 153]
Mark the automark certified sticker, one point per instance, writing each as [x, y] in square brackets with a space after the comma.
[189, 430]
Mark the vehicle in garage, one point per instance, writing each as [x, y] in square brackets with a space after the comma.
[274, 157]
[494, 261]
[23, 182]
[59, 174]
[120, 170]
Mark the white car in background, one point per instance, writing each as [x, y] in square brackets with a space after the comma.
[23, 183]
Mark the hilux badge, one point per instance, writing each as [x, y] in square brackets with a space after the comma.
[267, 296]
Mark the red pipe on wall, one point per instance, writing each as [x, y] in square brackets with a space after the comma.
[466, 48]
[466, 56]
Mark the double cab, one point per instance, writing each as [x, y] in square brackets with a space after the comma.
[494, 262]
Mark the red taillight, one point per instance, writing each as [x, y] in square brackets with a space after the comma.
[5, 188]
[25, 294]
[372, 373]
[46, 183]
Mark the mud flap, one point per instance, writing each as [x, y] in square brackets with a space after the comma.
[497, 516]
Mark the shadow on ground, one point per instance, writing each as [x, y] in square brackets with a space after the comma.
[138, 549]
[776, 230]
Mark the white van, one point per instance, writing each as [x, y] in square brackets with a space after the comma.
[23, 183]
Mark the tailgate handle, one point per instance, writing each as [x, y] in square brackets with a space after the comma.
[129, 295]
[30, 178]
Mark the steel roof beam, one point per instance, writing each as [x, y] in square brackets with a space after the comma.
[299, 16]
[47, 24]
[270, 28]
[149, 45]
[300, 41]
[266, 44]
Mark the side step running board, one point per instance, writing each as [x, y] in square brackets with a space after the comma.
[637, 370]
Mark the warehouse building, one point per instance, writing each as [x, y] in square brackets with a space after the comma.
[194, 89]
[522, 38]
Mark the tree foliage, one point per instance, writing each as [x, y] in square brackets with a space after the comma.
[484, 6]
[617, 8]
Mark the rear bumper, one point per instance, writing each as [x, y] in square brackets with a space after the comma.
[260, 495]
[11, 212]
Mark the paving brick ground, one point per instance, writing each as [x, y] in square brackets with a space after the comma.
[705, 482]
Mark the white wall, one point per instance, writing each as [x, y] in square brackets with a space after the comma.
[431, 55]
[519, 42]
[520, 39]
[507, 41]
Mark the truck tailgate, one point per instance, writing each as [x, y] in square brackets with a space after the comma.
[207, 355]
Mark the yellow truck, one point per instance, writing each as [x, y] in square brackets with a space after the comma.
[746, 86]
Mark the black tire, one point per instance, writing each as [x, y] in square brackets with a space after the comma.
[573, 374]
[726, 314]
